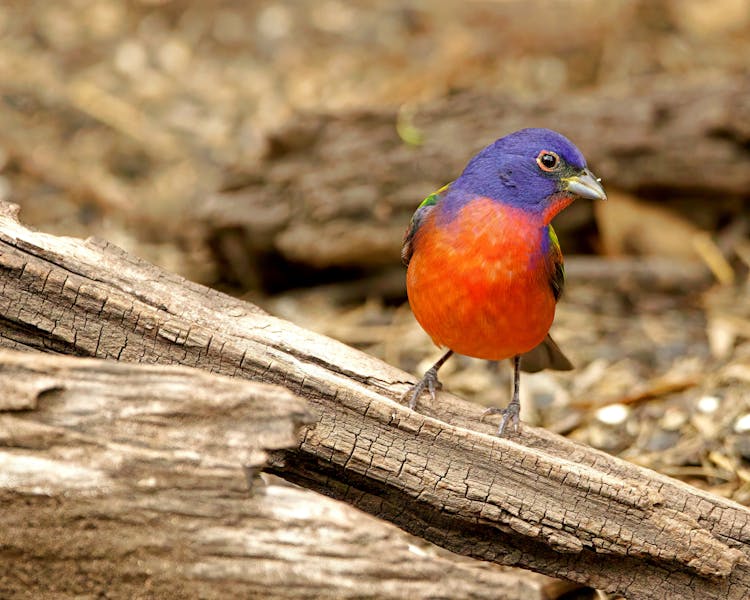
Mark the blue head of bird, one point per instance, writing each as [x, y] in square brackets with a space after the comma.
[532, 169]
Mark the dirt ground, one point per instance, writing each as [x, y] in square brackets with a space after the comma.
[117, 119]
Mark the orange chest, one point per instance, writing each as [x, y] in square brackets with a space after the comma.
[488, 244]
[479, 284]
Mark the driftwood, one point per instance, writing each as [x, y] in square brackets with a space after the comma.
[127, 479]
[350, 183]
[537, 500]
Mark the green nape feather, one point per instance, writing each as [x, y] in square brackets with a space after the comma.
[434, 197]
[423, 209]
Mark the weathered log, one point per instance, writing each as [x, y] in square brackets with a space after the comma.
[537, 500]
[350, 183]
[127, 479]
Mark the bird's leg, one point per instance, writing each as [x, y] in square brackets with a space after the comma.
[513, 410]
[429, 382]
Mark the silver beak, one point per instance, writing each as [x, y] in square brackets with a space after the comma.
[584, 185]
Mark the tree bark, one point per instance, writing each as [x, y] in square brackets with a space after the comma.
[126, 479]
[537, 500]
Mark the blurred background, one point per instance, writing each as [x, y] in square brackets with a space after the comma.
[276, 151]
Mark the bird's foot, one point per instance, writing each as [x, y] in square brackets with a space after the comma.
[511, 414]
[429, 382]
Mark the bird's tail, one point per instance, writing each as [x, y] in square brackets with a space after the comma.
[546, 355]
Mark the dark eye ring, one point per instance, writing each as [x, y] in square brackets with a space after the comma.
[548, 160]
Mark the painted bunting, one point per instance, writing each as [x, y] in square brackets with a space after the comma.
[484, 266]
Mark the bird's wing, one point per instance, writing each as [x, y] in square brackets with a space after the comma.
[407, 248]
[557, 269]
[548, 355]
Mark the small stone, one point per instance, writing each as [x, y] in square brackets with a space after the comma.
[742, 424]
[708, 404]
[614, 414]
[673, 419]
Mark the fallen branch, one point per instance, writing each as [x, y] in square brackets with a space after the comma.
[538, 501]
[130, 475]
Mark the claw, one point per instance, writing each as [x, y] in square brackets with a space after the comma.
[510, 415]
[492, 410]
[429, 382]
[512, 411]
[433, 383]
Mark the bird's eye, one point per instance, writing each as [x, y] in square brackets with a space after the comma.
[547, 160]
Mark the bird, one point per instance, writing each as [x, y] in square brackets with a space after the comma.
[484, 265]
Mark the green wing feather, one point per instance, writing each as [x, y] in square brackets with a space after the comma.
[557, 272]
[407, 249]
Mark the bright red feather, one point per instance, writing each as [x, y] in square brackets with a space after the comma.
[479, 284]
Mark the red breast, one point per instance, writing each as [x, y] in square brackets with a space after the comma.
[479, 284]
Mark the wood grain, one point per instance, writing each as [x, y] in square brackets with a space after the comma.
[127, 480]
[537, 500]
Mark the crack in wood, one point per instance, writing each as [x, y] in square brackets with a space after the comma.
[538, 500]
